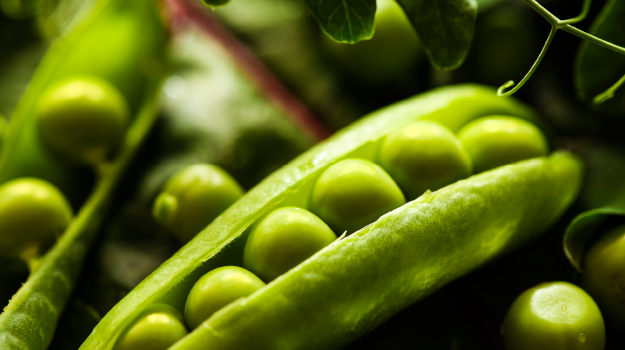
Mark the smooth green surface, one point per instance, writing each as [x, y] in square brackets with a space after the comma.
[388, 55]
[353, 286]
[122, 42]
[157, 329]
[283, 239]
[498, 140]
[33, 214]
[354, 193]
[604, 276]
[424, 156]
[82, 119]
[445, 28]
[554, 316]
[217, 289]
[193, 197]
[290, 186]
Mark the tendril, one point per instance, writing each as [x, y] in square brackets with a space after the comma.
[501, 91]
[566, 26]
[609, 93]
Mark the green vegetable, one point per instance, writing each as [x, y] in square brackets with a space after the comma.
[83, 118]
[604, 275]
[283, 239]
[122, 43]
[424, 155]
[353, 193]
[554, 316]
[499, 140]
[355, 284]
[159, 327]
[388, 55]
[217, 289]
[33, 213]
[194, 197]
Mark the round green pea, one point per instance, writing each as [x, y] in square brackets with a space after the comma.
[554, 316]
[217, 289]
[499, 140]
[604, 275]
[388, 56]
[354, 193]
[157, 328]
[424, 155]
[33, 213]
[193, 198]
[283, 239]
[82, 119]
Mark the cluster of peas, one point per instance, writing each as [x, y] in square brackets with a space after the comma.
[347, 196]
[79, 120]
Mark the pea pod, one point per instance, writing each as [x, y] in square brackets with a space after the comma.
[121, 42]
[469, 223]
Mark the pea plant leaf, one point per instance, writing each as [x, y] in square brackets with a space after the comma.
[603, 194]
[445, 28]
[347, 21]
[597, 68]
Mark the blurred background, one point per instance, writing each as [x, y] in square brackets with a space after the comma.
[256, 82]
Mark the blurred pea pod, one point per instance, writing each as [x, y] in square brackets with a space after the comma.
[121, 43]
[355, 284]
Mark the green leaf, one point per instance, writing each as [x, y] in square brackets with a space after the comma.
[346, 21]
[445, 28]
[598, 68]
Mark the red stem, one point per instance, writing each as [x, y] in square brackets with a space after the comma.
[185, 12]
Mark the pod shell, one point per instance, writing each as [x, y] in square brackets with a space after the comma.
[290, 186]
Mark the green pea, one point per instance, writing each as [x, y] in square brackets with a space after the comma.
[604, 275]
[82, 119]
[499, 140]
[283, 239]
[385, 58]
[193, 198]
[33, 213]
[157, 328]
[217, 289]
[424, 155]
[354, 193]
[554, 316]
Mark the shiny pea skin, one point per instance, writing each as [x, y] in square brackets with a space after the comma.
[193, 197]
[283, 239]
[82, 119]
[354, 193]
[217, 289]
[424, 156]
[158, 327]
[33, 213]
[604, 276]
[498, 140]
[554, 316]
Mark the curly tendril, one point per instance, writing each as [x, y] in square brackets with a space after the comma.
[565, 25]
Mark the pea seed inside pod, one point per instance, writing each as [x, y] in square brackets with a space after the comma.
[354, 193]
[499, 140]
[554, 316]
[283, 239]
[424, 155]
[33, 213]
[82, 119]
[604, 276]
[217, 289]
[157, 328]
[193, 197]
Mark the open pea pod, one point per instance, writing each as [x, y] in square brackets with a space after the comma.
[121, 42]
[356, 283]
